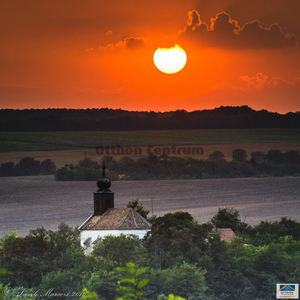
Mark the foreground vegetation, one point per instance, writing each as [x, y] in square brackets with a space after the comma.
[274, 163]
[179, 256]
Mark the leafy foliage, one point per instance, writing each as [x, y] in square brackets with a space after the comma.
[178, 257]
[109, 247]
[139, 207]
[132, 284]
[229, 218]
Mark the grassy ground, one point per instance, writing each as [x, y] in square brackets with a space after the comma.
[49, 141]
[70, 147]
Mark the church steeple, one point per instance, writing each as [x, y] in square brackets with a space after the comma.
[104, 197]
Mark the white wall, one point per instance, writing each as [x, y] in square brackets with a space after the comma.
[94, 234]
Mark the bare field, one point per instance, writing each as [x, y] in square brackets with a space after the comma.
[62, 157]
[30, 202]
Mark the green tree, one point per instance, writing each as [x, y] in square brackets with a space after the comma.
[7, 169]
[102, 282]
[292, 157]
[121, 249]
[48, 167]
[63, 284]
[229, 218]
[132, 285]
[88, 163]
[239, 155]
[217, 156]
[175, 238]
[186, 280]
[275, 156]
[28, 166]
[134, 203]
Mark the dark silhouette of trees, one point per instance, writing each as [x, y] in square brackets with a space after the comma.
[117, 119]
[48, 167]
[217, 156]
[28, 166]
[239, 155]
[7, 169]
[87, 163]
[292, 157]
[275, 156]
[257, 156]
[172, 167]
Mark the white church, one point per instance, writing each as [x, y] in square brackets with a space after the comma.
[107, 220]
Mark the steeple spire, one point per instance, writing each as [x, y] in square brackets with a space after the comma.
[103, 168]
[103, 183]
[104, 197]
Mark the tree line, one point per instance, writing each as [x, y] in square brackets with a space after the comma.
[28, 166]
[117, 119]
[178, 256]
[274, 163]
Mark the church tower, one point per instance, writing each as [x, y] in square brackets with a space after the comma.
[107, 220]
[104, 197]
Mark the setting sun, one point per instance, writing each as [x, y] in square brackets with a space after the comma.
[170, 60]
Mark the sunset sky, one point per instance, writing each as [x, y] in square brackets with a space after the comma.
[89, 53]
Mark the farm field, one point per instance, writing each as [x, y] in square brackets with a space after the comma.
[30, 202]
[70, 147]
[62, 157]
[49, 141]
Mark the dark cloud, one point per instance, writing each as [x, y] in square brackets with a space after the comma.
[225, 32]
[131, 43]
[134, 43]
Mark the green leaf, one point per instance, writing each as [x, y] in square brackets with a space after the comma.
[129, 280]
[130, 265]
[142, 283]
[141, 271]
[88, 295]
[125, 288]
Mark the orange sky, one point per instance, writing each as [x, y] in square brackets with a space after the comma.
[96, 53]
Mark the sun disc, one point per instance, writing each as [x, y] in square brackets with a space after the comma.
[170, 60]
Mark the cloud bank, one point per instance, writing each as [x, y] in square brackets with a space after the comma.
[224, 32]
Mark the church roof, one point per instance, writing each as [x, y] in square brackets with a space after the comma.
[116, 219]
[226, 234]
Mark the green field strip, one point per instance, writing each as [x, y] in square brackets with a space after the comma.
[45, 141]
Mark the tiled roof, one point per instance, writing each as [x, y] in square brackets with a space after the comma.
[116, 219]
[226, 234]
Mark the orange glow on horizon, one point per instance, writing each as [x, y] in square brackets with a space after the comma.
[102, 55]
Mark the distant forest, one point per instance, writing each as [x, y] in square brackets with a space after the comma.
[118, 119]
